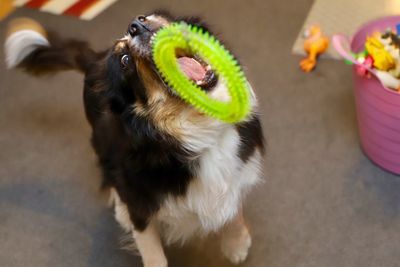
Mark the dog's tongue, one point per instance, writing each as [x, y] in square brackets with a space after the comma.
[193, 69]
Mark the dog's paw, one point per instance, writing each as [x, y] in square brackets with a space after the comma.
[162, 263]
[156, 265]
[236, 247]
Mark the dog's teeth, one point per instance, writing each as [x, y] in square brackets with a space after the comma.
[153, 36]
[208, 67]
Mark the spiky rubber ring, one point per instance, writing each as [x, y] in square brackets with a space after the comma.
[198, 41]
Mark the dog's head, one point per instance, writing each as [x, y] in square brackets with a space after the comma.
[131, 66]
[138, 41]
[138, 87]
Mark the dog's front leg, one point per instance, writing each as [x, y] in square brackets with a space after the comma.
[150, 247]
[236, 239]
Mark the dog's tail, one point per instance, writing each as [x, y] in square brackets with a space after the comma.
[30, 47]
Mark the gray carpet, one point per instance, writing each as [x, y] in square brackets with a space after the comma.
[323, 202]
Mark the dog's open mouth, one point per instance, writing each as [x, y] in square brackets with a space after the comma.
[198, 71]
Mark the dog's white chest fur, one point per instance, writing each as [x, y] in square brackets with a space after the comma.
[213, 197]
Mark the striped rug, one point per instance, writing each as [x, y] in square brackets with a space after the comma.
[83, 9]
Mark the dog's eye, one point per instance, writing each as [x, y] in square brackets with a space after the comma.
[125, 60]
[141, 18]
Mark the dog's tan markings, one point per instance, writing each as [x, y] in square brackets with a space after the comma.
[120, 46]
[148, 241]
[120, 211]
[154, 87]
[236, 239]
[168, 113]
[20, 24]
[157, 21]
[150, 246]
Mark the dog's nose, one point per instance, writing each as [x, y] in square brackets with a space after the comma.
[136, 28]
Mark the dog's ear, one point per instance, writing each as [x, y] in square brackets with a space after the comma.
[194, 20]
[163, 13]
[197, 21]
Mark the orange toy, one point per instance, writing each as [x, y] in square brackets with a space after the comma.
[315, 44]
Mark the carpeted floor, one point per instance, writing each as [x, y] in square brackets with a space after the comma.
[322, 204]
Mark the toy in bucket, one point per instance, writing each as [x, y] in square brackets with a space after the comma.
[380, 57]
[374, 52]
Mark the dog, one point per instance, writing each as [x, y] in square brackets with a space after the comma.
[172, 171]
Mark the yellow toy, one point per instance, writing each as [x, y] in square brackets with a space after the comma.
[315, 44]
[382, 58]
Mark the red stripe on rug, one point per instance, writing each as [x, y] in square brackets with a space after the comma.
[78, 8]
[36, 3]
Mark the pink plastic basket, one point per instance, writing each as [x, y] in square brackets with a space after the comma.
[378, 108]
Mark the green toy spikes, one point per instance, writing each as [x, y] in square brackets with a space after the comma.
[199, 42]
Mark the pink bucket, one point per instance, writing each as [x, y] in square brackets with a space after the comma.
[378, 108]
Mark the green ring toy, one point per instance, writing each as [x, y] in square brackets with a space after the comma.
[197, 41]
